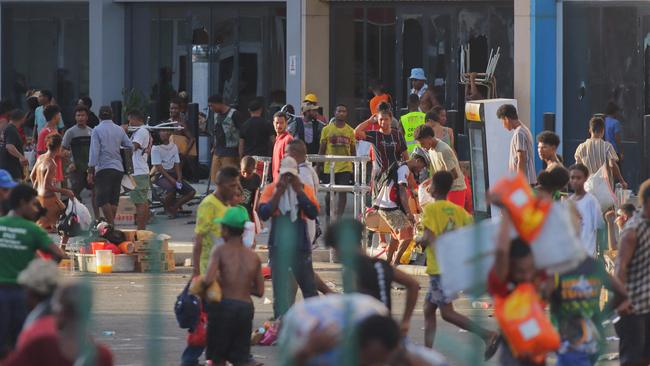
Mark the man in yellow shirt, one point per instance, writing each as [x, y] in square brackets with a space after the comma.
[439, 217]
[338, 139]
[212, 207]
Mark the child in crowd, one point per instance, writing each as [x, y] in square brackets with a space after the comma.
[591, 218]
[238, 271]
[439, 217]
[250, 183]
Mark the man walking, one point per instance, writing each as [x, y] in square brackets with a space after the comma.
[12, 158]
[338, 139]
[76, 140]
[227, 123]
[521, 144]
[288, 202]
[443, 158]
[596, 152]
[256, 135]
[308, 128]
[20, 238]
[141, 140]
[45, 99]
[105, 162]
[282, 139]
[411, 120]
[633, 270]
[208, 234]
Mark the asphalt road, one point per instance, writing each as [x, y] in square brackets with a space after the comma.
[133, 315]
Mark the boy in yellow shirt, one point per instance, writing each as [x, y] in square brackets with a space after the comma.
[438, 218]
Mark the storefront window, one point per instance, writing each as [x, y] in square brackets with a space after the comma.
[45, 47]
[236, 51]
[384, 43]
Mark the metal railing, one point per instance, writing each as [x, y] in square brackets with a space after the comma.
[359, 189]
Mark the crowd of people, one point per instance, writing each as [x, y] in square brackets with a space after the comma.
[415, 150]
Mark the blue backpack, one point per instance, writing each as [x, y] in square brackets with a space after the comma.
[187, 309]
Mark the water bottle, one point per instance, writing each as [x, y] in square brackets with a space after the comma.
[618, 191]
[249, 234]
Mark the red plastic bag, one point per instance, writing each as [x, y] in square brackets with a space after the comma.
[528, 213]
[524, 324]
[198, 336]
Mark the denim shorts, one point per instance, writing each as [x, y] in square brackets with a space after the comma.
[435, 295]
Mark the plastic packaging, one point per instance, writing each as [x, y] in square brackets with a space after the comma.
[249, 234]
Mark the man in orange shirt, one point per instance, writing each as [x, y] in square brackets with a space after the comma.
[289, 202]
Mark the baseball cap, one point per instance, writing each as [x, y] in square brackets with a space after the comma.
[309, 107]
[418, 74]
[236, 216]
[289, 165]
[6, 181]
[311, 98]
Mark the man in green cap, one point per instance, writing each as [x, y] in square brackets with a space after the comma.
[238, 270]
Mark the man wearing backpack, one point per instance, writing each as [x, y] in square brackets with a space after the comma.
[227, 124]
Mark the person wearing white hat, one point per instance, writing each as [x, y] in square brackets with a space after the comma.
[418, 82]
[289, 202]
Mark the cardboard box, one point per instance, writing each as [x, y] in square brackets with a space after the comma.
[148, 246]
[126, 206]
[130, 234]
[124, 219]
[152, 267]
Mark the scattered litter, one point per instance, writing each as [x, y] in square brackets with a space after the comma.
[608, 357]
[267, 301]
[613, 339]
[462, 331]
[131, 283]
[108, 333]
[480, 305]
[331, 285]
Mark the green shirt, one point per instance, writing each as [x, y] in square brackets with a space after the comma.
[410, 122]
[19, 241]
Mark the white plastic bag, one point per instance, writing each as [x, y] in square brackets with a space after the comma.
[82, 213]
[598, 185]
[466, 255]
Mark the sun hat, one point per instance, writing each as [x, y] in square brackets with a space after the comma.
[418, 74]
[236, 217]
[289, 165]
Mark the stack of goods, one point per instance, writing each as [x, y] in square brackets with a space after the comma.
[151, 251]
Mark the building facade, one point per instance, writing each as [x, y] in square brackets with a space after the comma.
[567, 57]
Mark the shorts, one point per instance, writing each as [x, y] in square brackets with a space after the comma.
[79, 182]
[576, 358]
[634, 332]
[435, 295]
[399, 224]
[219, 162]
[230, 324]
[140, 194]
[342, 178]
[164, 183]
[108, 192]
[54, 208]
[13, 311]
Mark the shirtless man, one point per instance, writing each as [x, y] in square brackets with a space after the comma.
[43, 175]
[238, 270]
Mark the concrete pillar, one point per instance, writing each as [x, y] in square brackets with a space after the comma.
[315, 51]
[294, 52]
[106, 59]
[535, 61]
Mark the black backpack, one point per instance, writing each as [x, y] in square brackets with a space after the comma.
[187, 309]
[69, 225]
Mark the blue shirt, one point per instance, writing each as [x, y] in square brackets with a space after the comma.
[105, 143]
[612, 128]
[40, 120]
